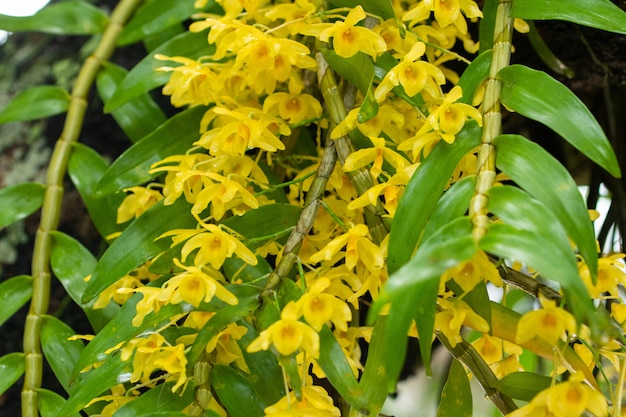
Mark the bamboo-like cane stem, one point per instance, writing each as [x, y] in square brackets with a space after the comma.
[492, 119]
[52, 205]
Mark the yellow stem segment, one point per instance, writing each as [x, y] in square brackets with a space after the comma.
[52, 205]
[492, 119]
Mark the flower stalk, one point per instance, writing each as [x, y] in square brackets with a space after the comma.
[51, 208]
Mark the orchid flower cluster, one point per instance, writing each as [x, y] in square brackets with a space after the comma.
[263, 142]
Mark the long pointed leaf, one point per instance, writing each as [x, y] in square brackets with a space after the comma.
[235, 392]
[11, 369]
[20, 201]
[599, 14]
[36, 103]
[456, 398]
[423, 192]
[70, 17]
[159, 398]
[540, 97]
[545, 179]
[85, 168]
[14, 292]
[61, 354]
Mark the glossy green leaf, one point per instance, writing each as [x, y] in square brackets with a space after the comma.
[599, 14]
[36, 103]
[449, 246]
[85, 168]
[235, 392]
[132, 167]
[362, 79]
[50, 403]
[423, 192]
[540, 97]
[138, 243]
[236, 269]
[382, 8]
[487, 25]
[377, 381]
[160, 398]
[456, 398]
[144, 76]
[453, 204]
[14, 293]
[474, 75]
[60, 353]
[155, 15]
[111, 372]
[523, 385]
[139, 116]
[71, 262]
[527, 246]
[11, 369]
[545, 179]
[119, 329]
[265, 373]
[70, 17]
[335, 365]
[19, 201]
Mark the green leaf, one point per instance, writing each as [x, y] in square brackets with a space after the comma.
[265, 373]
[11, 369]
[139, 116]
[540, 97]
[456, 398]
[110, 372]
[382, 8]
[412, 289]
[453, 204]
[333, 362]
[545, 179]
[71, 262]
[144, 76]
[138, 243]
[36, 103]
[85, 168]
[70, 17]
[525, 245]
[14, 293]
[159, 398]
[19, 201]
[487, 25]
[423, 191]
[523, 385]
[155, 15]
[132, 167]
[378, 377]
[362, 79]
[599, 14]
[60, 353]
[474, 75]
[50, 403]
[235, 392]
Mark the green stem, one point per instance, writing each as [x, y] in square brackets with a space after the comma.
[307, 217]
[52, 205]
[492, 119]
[361, 178]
